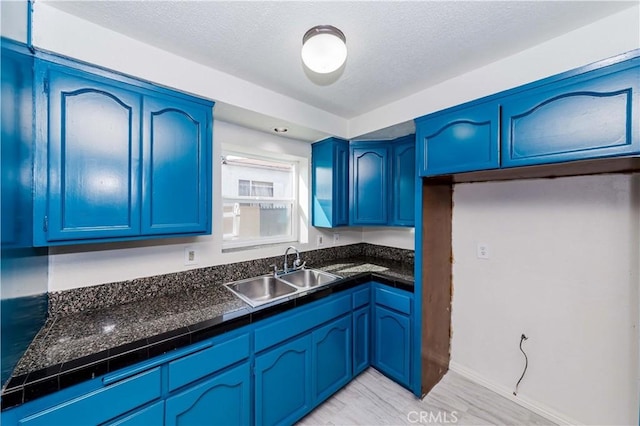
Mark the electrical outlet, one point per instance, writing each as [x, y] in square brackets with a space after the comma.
[482, 251]
[319, 240]
[336, 238]
[190, 256]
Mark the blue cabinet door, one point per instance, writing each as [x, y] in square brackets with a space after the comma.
[461, 140]
[369, 176]
[224, 399]
[177, 163]
[330, 183]
[88, 157]
[587, 116]
[403, 172]
[283, 391]
[361, 339]
[392, 345]
[331, 358]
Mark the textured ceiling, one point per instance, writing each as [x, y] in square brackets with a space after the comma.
[395, 48]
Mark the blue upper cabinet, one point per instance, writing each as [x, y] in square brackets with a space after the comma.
[369, 176]
[92, 173]
[588, 113]
[115, 161]
[330, 183]
[403, 172]
[383, 176]
[459, 140]
[587, 116]
[176, 160]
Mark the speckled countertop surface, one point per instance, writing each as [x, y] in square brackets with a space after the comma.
[70, 343]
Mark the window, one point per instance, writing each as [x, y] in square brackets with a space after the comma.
[259, 198]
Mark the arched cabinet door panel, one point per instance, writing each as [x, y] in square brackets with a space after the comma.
[392, 344]
[462, 140]
[176, 161]
[224, 399]
[588, 116]
[283, 391]
[369, 184]
[92, 164]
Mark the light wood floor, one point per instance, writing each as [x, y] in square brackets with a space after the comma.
[372, 399]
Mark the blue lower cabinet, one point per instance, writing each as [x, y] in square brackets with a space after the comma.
[283, 391]
[103, 404]
[224, 399]
[392, 340]
[151, 415]
[331, 358]
[361, 339]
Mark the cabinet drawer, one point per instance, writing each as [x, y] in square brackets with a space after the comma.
[292, 325]
[103, 404]
[193, 367]
[393, 299]
[361, 297]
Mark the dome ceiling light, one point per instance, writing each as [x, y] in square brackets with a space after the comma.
[324, 49]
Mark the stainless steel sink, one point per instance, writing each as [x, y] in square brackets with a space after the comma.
[308, 278]
[259, 290]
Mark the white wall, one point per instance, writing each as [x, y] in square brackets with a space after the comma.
[85, 265]
[13, 19]
[403, 238]
[564, 271]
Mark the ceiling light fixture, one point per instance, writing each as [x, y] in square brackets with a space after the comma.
[280, 129]
[324, 49]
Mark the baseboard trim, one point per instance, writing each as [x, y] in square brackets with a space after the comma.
[527, 403]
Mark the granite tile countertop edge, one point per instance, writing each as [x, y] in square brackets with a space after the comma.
[78, 347]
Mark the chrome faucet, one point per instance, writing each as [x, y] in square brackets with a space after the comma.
[297, 264]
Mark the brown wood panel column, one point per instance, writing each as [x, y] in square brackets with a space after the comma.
[437, 209]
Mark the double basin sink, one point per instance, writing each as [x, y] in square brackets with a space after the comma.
[268, 288]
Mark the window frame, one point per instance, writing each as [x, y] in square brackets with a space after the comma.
[294, 237]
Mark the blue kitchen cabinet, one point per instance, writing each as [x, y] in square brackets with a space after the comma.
[361, 339]
[361, 318]
[590, 115]
[151, 415]
[459, 140]
[403, 178]
[392, 333]
[115, 161]
[224, 399]
[177, 158]
[88, 165]
[332, 357]
[369, 177]
[330, 183]
[283, 390]
[101, 405]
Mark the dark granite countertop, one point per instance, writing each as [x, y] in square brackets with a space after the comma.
[76, 347]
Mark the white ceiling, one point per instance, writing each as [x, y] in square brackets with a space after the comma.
[395, 47]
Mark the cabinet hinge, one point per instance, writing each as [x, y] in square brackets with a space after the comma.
[45, 224]
[45, 85]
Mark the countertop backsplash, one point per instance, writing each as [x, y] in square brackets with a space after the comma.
[101, 296]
